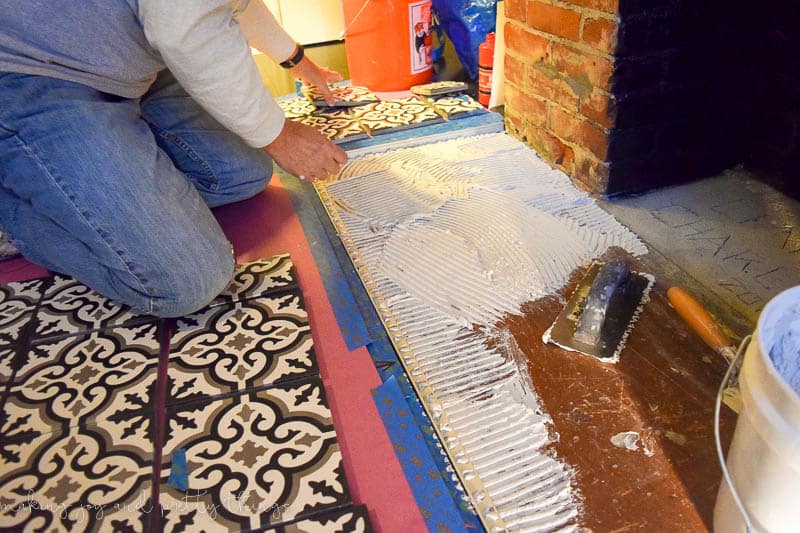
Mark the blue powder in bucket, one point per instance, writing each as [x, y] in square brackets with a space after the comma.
[785, 350]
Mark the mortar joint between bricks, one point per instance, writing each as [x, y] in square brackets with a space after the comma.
[581, 47]
[586, 11]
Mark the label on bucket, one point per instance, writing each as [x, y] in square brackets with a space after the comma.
[419, 16]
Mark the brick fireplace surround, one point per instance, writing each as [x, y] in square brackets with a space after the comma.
[627, 95]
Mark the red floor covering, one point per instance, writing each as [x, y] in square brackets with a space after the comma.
[267, 225]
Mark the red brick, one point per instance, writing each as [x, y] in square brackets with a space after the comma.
[550, 148]
[515, 9]
[533, 47]
[607, 6]
[599, 108]
[515, 125]
[514, 70]
[553, 19]
[549, 85]
[532, 110]
[579, 131]
[579, 66]
[589, 174]
[600, 34]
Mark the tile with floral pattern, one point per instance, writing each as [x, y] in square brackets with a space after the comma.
[254, 460]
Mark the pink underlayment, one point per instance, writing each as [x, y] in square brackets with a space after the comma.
[267, 225]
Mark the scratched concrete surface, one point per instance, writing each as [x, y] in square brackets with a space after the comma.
[732, 235]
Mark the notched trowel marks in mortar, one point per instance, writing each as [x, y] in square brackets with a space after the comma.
[448, 239]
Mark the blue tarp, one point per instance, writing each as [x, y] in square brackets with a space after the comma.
[466, 23]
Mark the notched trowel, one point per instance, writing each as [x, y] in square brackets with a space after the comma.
[601, 312]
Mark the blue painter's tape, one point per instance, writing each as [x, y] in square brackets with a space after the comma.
[380, 347]
[439, 510]
[178, 471]
[349, 297]
[479, 120]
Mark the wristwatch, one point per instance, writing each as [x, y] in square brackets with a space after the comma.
[295, 59]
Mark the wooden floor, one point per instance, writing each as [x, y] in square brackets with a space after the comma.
[663, 387]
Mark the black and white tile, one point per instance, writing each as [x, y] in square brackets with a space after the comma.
[254, 460]
[258, 278]
[354, 519]
[105, 376]
[17, 301]
[244, 400]
[249, 345]
[393, 115]
[339, 125]
[456, 106]
[344, 96]
[69, 307]
[78, 479]
[295, 108]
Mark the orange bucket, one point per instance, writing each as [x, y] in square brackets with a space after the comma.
[388, 43]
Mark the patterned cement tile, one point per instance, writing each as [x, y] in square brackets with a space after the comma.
[456, 106]
[354, 519]
[17, 301]
[8, 356]
[250, 345]
[338, 126]
[254, 460]
[69, 307]
[105, 377]
[391, 115]
[258, 278]
[295, 108]
[344, 96]
[87, 478]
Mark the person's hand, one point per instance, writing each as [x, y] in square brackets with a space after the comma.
[303, 151]
[320, 77]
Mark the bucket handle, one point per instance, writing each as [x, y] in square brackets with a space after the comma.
[721, 456]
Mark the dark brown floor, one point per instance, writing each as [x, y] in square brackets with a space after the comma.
[662, 388]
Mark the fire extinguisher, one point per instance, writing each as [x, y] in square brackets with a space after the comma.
[485, 64]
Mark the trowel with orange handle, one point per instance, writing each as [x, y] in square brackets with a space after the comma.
[701, 322]
[696, 317]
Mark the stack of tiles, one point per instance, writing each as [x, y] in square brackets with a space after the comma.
[448, 99]
[439, 88]
[244, 405]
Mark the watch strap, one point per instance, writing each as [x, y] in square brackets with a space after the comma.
[295, 59]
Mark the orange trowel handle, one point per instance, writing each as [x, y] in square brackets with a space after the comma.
[696, 316]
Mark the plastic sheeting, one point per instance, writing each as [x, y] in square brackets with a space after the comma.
[467, 22]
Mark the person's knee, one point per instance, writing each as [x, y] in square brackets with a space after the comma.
[190, 286]
[257, 169]
[248, 175]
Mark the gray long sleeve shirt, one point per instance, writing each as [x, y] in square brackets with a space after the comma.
[119, 46]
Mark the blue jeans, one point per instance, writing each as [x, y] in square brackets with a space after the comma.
[116, 192]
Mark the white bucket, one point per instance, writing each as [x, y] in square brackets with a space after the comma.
[764, 457]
